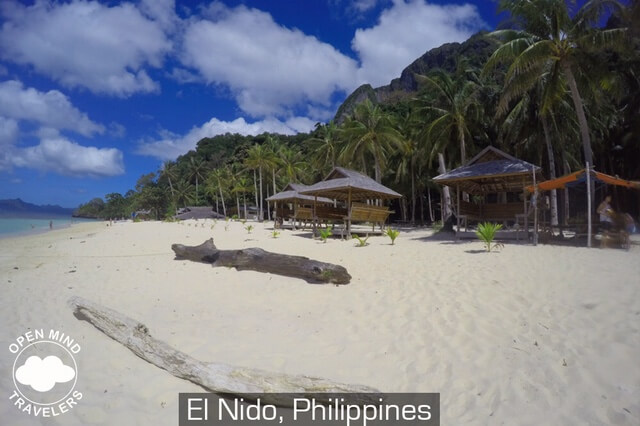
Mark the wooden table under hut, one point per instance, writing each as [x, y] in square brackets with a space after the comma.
[295, 207]
[358, 193]
[495, 182]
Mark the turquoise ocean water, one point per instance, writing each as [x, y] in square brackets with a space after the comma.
[10, 227]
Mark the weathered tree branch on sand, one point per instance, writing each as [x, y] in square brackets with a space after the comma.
[214, 377]
[260, 260]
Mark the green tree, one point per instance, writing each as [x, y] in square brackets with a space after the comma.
[259, 158]
[453, 105]
[547, 38]
[370, 131]
[197, 169]
[324, 146]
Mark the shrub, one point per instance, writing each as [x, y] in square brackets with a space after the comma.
[487, 232]
[275, 234]
[393, 234]
[324, 234]
[249, 228]
[361, 241]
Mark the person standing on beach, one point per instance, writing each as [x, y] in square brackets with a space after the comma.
[50, 224]
[606, 213]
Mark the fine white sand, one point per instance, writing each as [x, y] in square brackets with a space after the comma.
[524, 336]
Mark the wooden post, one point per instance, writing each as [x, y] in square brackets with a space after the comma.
[295, 214]
[314, 218]
[588, 206]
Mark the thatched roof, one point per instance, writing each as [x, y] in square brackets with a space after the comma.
[341, 181]
[291, 193]
[490, 171]
[198, 213]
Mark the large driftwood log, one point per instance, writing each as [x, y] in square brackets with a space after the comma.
[260, 260]
[214, 377]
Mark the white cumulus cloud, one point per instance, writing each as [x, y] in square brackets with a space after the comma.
[88, 44]
[405, 32]
[171, 145]
[65, 157]
[43, 374]
[269, 68]
[51, 109]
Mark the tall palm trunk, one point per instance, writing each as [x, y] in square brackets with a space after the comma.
[463, 150]
[255, 187]
[274, 181]
[377, 169]
[579, 107]
[224, 208]
[582, 120]
[566, 171]
[268, 208]
[244, 200]
[196, 189]
[261, 215]
[413, 195]
[238, 204]
[552, 171]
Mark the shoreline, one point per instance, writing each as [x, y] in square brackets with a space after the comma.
[523, 335]
[67, 223]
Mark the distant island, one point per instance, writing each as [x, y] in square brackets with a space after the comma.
[21, 209]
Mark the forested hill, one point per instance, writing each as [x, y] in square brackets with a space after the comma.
[472, 53]
[18, 208]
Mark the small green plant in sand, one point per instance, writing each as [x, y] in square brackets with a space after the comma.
[393, 234]
[437, 226]
[234, 217]
[137, 219]
[243, 221]
[324, 234]
[361, 241]
[275, 234]
[249, 228]
[487, 232]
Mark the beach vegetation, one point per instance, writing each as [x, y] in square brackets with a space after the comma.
[393, 234]
[324, 234]
[486, 232]
[360, 242]
[275, 234]
[249, 228]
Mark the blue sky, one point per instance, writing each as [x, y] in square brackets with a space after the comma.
[94, 94]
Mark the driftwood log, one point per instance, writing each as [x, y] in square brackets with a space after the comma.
[214, 377]
[256, 259]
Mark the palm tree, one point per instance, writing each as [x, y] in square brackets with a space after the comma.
[217, 181]
[370, 131]
[409, 152]
[258, 158]
[455, 106]
[197, 169]
[183, 193]
[242, 186]
[169, 171]
[324, 145]
[548, 39]
[293, 166]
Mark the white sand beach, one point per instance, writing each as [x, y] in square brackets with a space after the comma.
[524, 336]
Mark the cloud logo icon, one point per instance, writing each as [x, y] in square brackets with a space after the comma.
[43, 374]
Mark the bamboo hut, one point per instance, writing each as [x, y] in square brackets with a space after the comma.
[351, 187]
[290, 196]
[492, 171]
